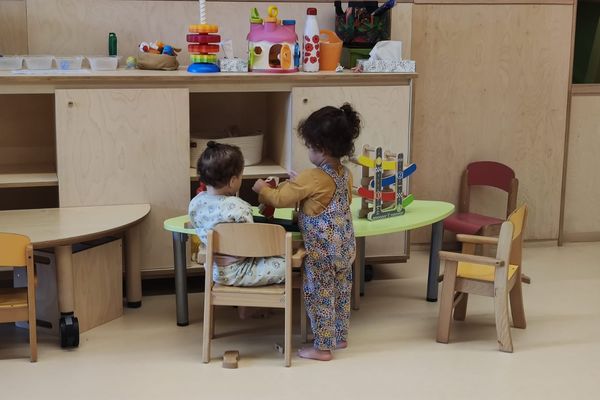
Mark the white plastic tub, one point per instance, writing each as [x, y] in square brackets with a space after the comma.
[38, 62]
[104, 63]
[251, 147]
[68, 63]
[9, 63]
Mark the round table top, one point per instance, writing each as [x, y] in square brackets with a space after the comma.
[418, 214]
[48, 227]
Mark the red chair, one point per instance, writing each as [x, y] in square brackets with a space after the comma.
[483, 173]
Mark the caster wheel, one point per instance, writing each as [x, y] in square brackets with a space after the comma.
[369, 273]
[69, 331]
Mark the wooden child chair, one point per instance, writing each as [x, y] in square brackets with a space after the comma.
[18, 304]
[482, 173]
[498, 277]
[249, 240]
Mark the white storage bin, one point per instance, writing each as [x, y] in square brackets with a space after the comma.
[38, 62]
[104, 63]
[67, 63]
[251, 147]
[8, 63]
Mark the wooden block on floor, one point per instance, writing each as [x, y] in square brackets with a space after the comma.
[231, 358]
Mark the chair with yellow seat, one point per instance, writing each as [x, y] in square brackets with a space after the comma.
[498, 277]
[249, 240]
[18, 304]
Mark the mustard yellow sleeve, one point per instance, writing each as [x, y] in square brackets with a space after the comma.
[291, 192]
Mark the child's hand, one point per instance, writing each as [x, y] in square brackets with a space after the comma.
[293, 174]
[259, 185]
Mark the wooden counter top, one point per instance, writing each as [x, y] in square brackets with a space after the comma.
[26, 81]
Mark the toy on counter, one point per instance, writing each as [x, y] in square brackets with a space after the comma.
[383, 191]
[158, 47]
[272, 45]
[203, 45]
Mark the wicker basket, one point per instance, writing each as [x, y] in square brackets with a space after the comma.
[251, 147]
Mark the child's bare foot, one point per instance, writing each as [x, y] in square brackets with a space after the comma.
[315, 354]
[341, 345]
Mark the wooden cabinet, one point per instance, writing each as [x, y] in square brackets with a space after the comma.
[385, 117]
[120, 146]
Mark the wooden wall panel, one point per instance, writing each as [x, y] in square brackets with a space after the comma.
[492, 85]
[582, 190]
[13, 27]
[64, 27]
[402, 27]
[126, 146]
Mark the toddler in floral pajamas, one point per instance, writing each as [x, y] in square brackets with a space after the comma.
[220, 167]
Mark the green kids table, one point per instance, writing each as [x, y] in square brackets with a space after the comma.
[419, 214]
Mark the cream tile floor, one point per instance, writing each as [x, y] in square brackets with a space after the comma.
[392, 353]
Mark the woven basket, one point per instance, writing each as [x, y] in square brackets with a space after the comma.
[251, 147]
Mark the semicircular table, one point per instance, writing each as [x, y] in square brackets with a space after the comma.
[418, 214]
[59, 228]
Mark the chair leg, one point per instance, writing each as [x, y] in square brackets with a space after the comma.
[212, 322]
[446, 301]
[502, 320]
[516, 305]
[288, 333]
[33, 339]
[460, 311]
[206, 329]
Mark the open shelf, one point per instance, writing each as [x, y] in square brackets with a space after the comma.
[265, 169]
[24, 176]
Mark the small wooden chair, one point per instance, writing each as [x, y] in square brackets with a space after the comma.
[18, 304]
[482, 173]
[249, 240]
[498, 277]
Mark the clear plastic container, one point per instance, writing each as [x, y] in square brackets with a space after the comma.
[66, 63]
[104, 63]
[9, 63]
[38, 62]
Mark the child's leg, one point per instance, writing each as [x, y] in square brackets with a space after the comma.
[319, 282]
[343, 292]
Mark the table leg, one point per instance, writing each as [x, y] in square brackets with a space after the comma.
[68, 323]
[181, 293]
[437, 232]
[133, 254]
[358, 273]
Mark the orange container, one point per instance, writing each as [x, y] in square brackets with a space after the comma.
[331, 50]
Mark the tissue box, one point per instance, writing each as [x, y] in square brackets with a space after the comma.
[387, 65]
[233, 65]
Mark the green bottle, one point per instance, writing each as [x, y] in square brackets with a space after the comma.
[112, 44]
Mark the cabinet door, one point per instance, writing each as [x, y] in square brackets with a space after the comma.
[385, 116]
[126, 146]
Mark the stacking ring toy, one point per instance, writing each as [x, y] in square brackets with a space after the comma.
[204, 28]
[203, 38]
[203, 58]
[203, 48]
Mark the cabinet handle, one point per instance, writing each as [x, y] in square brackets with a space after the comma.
[305, 100]
[70, 104]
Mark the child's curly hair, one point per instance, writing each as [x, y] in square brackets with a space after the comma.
[218, 163]
[331, 130]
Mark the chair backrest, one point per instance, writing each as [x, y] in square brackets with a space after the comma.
[518, 218]
[13, 250]
[489, 173]
[249, 240]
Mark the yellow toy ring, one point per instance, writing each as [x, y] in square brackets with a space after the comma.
[204, 28]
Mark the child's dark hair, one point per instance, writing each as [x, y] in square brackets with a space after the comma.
[218, 163]
[331, 130]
